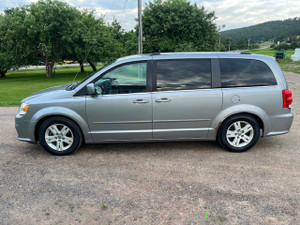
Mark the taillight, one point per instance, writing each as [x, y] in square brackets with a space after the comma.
[287, 98]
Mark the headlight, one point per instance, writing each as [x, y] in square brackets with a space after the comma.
[23, 108]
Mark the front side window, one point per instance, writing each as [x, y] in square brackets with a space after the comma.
[130, 78]
[173, 75]
[245, 72]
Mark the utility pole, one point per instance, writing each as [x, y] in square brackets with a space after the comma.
[140, 27]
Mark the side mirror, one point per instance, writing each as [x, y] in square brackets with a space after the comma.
[91, 89]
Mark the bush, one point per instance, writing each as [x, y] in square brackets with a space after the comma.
[295, 44]
[283, 46]
[254, 46]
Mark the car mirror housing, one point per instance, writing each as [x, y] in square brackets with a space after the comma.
[91, 89]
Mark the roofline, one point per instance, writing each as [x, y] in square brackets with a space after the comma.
[157, 55]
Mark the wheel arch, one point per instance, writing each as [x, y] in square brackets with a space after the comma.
[45, 114]
[256, 117]
[43, 119]
[257, 113]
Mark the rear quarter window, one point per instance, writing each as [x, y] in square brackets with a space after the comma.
[245, 72]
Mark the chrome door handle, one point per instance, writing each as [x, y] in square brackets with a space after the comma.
[163, 100]
[140, 101]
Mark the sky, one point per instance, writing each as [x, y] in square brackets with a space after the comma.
[231, 13]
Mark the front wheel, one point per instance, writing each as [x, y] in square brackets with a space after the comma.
[239, 133]
[60, 136]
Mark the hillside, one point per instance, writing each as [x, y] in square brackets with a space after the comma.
[265, 31]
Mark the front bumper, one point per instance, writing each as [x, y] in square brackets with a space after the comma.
[25, 129]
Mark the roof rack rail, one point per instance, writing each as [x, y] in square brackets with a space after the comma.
[246, 53]
[155, 53]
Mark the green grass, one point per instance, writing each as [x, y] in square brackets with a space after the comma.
[289, 65]
[19, 84]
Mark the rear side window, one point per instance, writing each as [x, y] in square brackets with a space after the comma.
[173, 75]
[245, 72]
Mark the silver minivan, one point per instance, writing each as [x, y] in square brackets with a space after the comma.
[229, 97]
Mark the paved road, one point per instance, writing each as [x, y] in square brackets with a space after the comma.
[159, 183]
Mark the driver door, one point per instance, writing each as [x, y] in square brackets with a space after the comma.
[122, 108]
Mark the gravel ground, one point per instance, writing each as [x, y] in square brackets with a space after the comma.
[156, 183]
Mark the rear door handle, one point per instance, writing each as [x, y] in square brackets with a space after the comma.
[163, 100]
[140, 101]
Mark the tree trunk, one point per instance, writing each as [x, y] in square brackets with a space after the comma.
[49, 68]
[81, 66]
[2, 73]
[92, 65]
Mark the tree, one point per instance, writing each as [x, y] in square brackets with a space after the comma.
[178, 25]
[13, 49]
[242, 44]
[128, 40]
[50, 26]
[51, 31]
[93, 41]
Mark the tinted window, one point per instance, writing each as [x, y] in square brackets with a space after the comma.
[183, 74]
[125, 79]
[245, 72]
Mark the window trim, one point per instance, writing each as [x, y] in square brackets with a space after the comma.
[83, 91]
[214, 68]
[248, 85]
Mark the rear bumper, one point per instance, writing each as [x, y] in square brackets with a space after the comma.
[280, 124]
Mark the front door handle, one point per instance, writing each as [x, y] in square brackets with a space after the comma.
[163, 100]
[140, 101]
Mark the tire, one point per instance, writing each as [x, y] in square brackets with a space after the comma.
[239, 133]
[59, 136]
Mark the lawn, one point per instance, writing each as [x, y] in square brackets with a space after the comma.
[19, 84]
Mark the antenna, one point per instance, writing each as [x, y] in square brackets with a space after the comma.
[86, 55]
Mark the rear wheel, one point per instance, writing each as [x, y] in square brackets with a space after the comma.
[239, 133]
[60, 136]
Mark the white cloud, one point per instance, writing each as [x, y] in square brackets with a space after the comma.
[231, 13]
[125, 17]
[241, 13]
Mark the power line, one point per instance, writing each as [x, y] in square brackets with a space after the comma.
[126, 1]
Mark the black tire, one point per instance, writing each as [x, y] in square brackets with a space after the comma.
[57, 142]
[234, 139]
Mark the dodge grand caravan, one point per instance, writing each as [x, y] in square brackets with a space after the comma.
[228, 97]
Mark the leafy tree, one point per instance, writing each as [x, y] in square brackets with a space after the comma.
[128, 40]
[51, 31]
[93, 41]
[283, 46]
[50, 26]
[178, 25]
[242, 43]
[13, 48]
[130, 43]
[229, 44]
[295, 44]
[254, 46]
